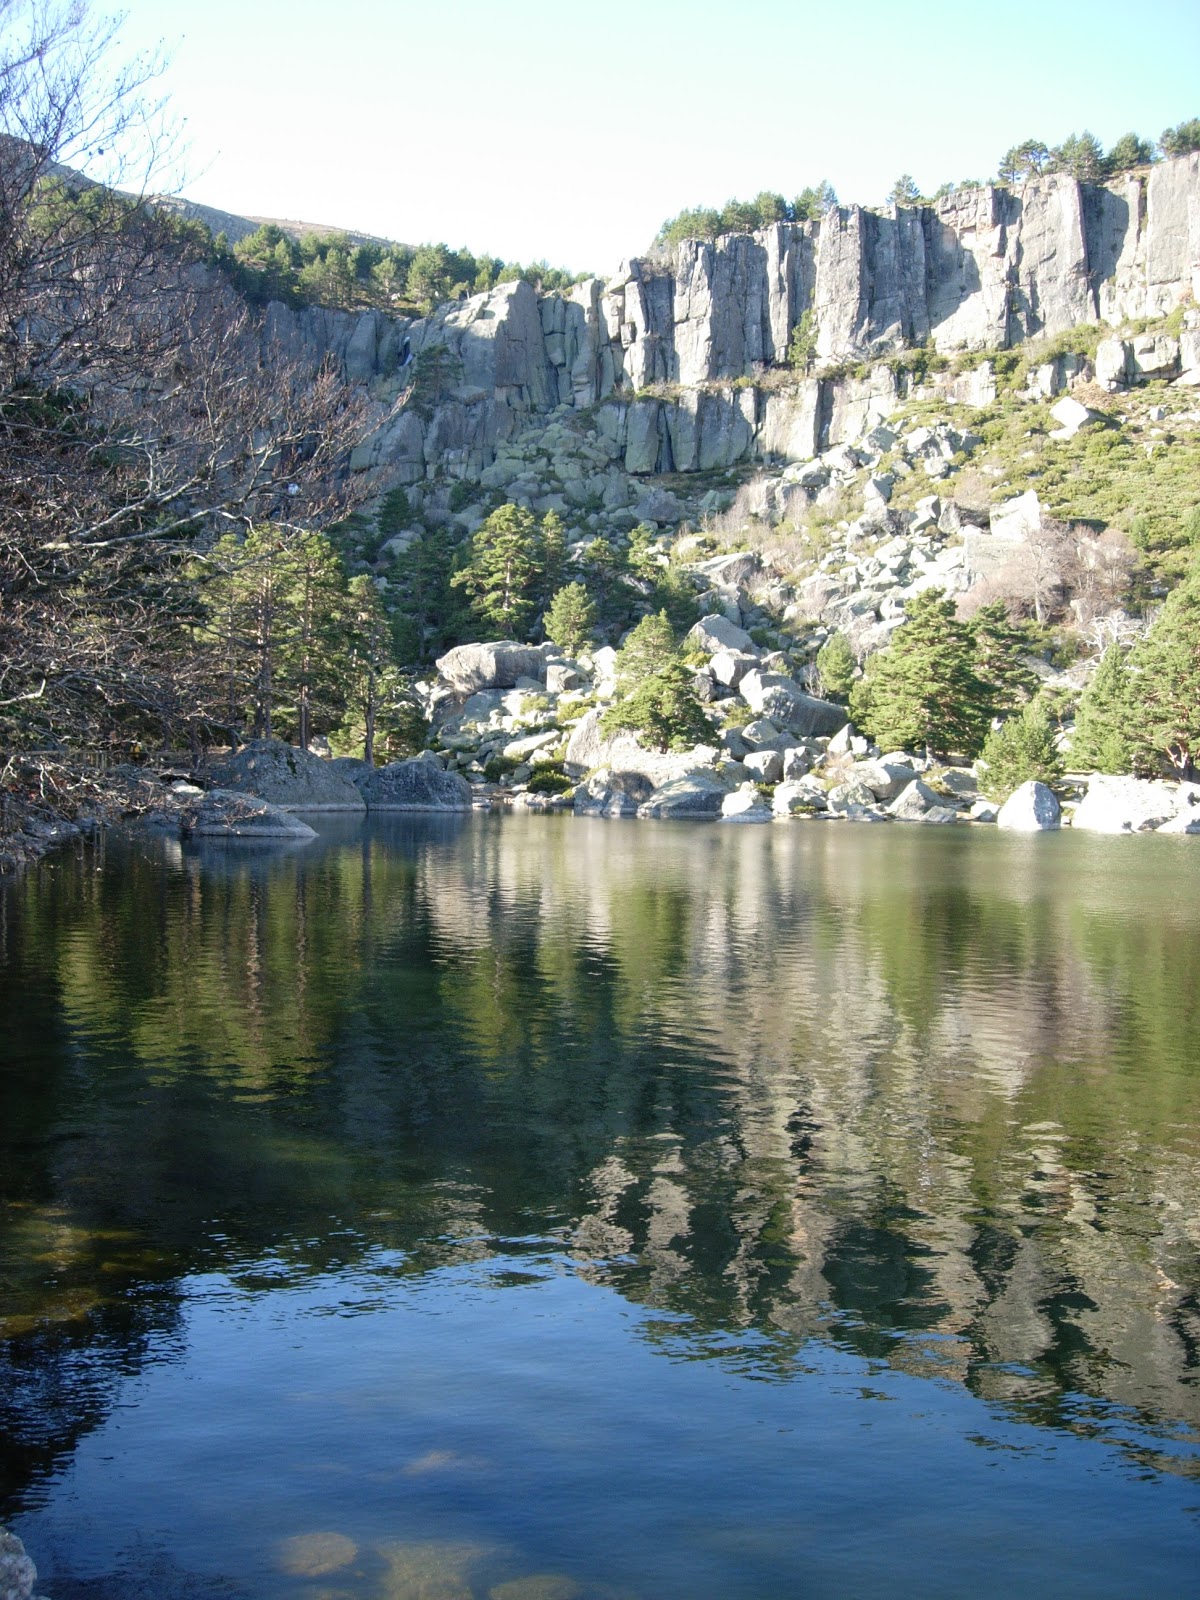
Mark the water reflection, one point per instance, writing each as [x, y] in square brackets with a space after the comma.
[930, 1099]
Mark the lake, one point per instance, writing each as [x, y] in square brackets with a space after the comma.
[545, 1209]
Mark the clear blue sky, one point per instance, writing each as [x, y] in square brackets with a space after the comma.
[570, 131]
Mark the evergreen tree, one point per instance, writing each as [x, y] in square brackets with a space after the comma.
[647, 650]
[502, 573]
[570, 618]
[374, 689]
[1021, 749]
[315, 637]
[1164, 687]
[552, 557]
[430, 614]
[1081, 155]
[663, 709]
[923, 691]
[1101, 741]
[1024, 161]
[836, 664]
[1181, 140]
[904, 191]
[1000, 647]
[1129, 151]
[600, 568]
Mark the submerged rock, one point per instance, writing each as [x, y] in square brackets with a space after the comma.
[227, 814]
[287, 776]
[17, 1572]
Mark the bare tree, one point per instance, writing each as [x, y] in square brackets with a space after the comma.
[140, 413]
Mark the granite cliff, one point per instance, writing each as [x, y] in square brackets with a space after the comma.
[676, 364]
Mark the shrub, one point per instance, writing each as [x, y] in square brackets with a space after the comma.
[549, 779]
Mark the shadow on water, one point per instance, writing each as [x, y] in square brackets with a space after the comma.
[930, 1102]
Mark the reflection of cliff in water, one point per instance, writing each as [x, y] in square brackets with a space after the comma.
[932, 1096]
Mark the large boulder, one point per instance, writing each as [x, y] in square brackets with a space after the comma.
[1033, 808]
[228, 814]
[745, 804]
[913, 802]
[1125, 805]
[414, 786]
[611, 794]
[469, 668]
[781, 699]
[716, 633]
[695, 794]
[287, 776]
[803, 797]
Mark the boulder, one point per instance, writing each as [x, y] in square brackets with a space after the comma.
[498, 665]
[913, 802]
[229, 814]
[714, 633]
[1033, 808]
[745, 804]
[846, 798]
[765, 766]
[1182, 822]
[762, 734]
[886, 780]
[803, 796]
[414, 786]
[694, 794]
[611, 794]
[731, 666]
[1125, 805]
[1072, 415]
[984, 811]
[17, 1572]
[796, 762]
[287, 776]
[781, 699]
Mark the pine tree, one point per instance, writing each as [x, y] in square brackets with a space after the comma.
[1164, 688]
[648, 649]
[1000, 648]
[923, 691]
[1021, 749]
[551, 556]
[1101, 741]
[503, 571]
[664, 709]
[570, 618]
[373, 687]
[836, 664]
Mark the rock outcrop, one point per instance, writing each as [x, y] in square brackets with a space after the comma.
[414, 786]
[287, 776]
[660, 354]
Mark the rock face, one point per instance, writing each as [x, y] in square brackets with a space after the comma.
[983, 268]
[228, 814]
[1032, 808]
[414, 786]
[1125, 805]
[288, 777]
[468, 668]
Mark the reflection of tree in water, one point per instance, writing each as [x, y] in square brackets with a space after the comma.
[929, 1097]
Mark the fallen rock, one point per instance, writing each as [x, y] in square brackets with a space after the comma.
[229, 814]
[1125, 805]
[287, 776]
[886, 780]
[414, 786]
[1072, 415]
[1033, 808]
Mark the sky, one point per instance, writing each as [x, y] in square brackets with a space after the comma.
[568, 132]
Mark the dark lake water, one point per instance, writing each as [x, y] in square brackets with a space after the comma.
[541, 1209]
